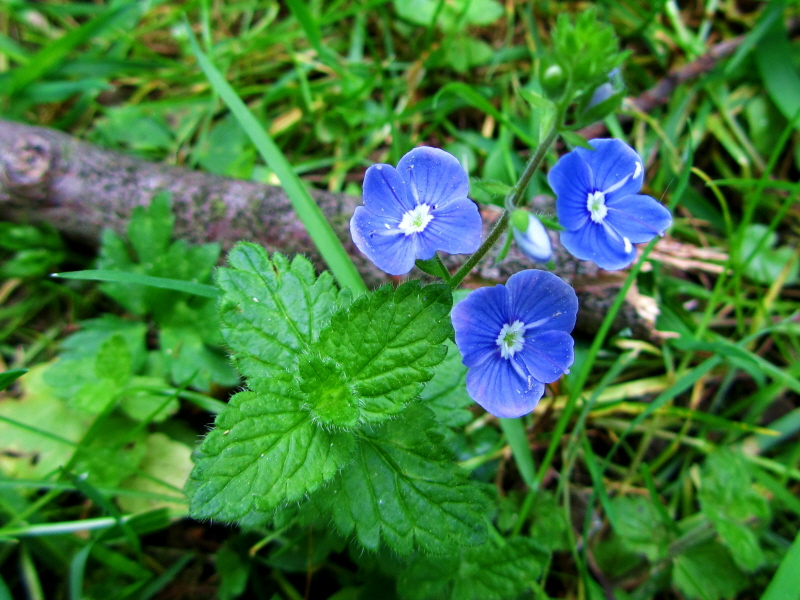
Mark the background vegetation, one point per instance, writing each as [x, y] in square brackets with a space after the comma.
[670, 471]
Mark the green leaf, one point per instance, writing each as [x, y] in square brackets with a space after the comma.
[490, 572]
[575, 139]
[784, 584]
[403, 488]
[150, 229]
[114, 361]
[451, 14]
[272, 310]
[388, 344]
[728, 499]
[706, 572]
[493, 187]
[446, 394]
[188, 287]
[24, 451]
[780, 76]
[641, 528]
[112, 452]
[264, 451]
[163, 470]
[8, 377]
[768, 262]
[464, 53]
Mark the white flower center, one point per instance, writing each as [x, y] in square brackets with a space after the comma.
[416, 219]
[511, 339]
[596, 203]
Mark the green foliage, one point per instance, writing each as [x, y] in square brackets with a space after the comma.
[449, 15]
[728, 499]
[29, 251]
[388, 343]
[493, 571]
[316, 375]
[706, 572]
[586, 51]
[403, 489]
[264, 451]
[272, 310]
[188, 327]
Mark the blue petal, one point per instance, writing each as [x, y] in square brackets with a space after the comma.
[501, 391]
[571, 180]
[535, 241]
[390, 249]
[611, 162]
[599, 243]
[455, 228]
[547, 355]
[434, 177]
[477, 321]
[385, 192]
[637, 217]
[540, 296]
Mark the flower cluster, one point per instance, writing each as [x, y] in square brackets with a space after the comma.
[514, 338]
[411, 212]
[598, 204]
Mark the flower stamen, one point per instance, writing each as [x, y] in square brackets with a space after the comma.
[511, 339]
[596, 203]
[416, 219]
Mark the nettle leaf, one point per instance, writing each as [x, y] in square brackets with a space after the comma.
[728, 499]
[403, 487]
[489, 572]
[388, 344]
[446, 394]
[272, 310]
[265, 450]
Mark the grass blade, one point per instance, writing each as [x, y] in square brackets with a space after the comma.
[514, 431]
[179, 285]
[784, 584]
[318, 228]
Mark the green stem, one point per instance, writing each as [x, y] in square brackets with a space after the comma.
[445, 273]
[473, 260]
[512, 201]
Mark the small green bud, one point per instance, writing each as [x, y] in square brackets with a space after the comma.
[553, 81]
[519, 219]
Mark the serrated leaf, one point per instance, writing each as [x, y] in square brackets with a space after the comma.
[150, 229]
[446, 394]
[388, 343]
[272, 310]
[402, 488]
[263, 452]
[487, 572]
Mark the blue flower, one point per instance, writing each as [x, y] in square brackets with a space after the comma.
[514, 338]
[411, 212]
[534, 241]
[598, 204]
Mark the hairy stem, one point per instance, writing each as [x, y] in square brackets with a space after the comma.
[512, 201]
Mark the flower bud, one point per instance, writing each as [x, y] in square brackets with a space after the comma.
[532, 238]
[553, 81]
